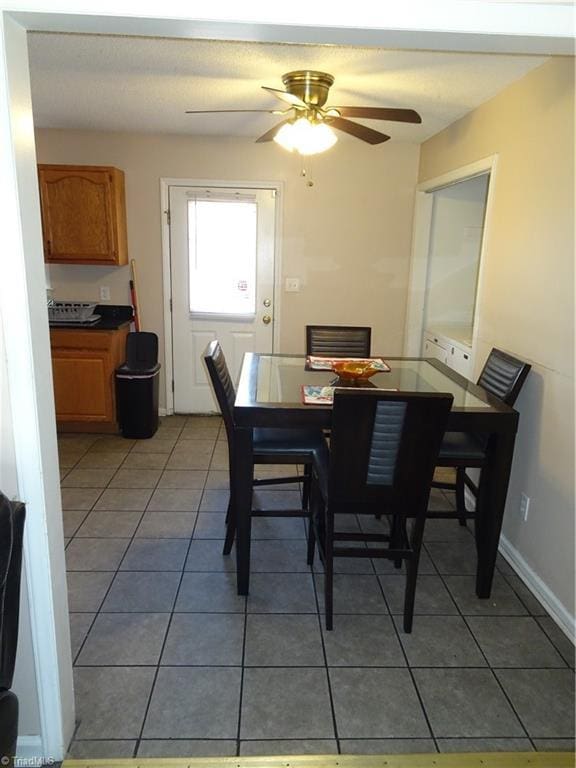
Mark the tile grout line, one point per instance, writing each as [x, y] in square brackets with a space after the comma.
[326, 667]
[170, 613]
[408, 667]
[242, 672]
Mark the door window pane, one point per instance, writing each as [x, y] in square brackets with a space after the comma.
[222, 256]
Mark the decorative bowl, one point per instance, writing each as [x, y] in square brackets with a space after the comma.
[355, 369]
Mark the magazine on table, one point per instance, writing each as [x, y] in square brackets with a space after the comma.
[317, 395]
[313, 395]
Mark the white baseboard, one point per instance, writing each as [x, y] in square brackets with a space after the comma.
[162, 412]
[29, 751]
[539, 589]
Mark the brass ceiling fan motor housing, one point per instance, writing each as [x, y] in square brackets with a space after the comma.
[310, 86]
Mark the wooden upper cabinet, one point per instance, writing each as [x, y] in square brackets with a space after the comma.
[83, 214]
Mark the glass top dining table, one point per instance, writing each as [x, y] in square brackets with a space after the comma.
[280, 379]
[270, 395]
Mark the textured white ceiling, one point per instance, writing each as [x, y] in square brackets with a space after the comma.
[116, 83]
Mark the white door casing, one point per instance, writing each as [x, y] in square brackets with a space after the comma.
[193, 330]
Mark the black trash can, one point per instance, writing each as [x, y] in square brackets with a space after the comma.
[137, 386]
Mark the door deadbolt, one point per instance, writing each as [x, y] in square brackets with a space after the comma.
[267, 302]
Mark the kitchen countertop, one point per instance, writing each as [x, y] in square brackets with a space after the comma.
[112, 318]
[458, 332]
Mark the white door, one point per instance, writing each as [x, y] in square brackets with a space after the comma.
[222, 270]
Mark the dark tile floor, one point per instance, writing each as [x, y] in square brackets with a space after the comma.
[170, 661]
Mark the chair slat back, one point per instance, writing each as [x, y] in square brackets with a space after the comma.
[503, 375]
[386, 435]
[383, 449]
[338, 340]
[222, 385]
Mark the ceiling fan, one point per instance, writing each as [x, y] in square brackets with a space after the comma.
[309, 121]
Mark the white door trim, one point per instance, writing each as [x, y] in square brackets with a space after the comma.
[414, 325]
[165, 184]
[31, 396]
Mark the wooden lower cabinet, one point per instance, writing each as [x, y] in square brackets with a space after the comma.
[83, 365]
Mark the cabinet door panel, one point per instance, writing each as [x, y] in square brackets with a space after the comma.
[78, 216]
[433, 349]
[83, 214]
[461, 362]
[82, 388]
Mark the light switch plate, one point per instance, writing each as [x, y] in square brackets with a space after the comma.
[292, 285]
[104, 293]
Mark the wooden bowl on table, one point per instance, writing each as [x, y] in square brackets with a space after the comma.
[355, 370]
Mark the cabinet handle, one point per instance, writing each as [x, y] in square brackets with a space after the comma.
[49, 246]
[436, 340]
[465, 357]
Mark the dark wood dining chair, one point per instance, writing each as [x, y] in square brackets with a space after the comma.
[503, 376]
[270, 446]
[12, 516]
[338, 340]
[383, 451]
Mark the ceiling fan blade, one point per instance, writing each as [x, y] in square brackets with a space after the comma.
[269, 135]
[222, 111]
[289, 98]
[381, 113]
[357, 130]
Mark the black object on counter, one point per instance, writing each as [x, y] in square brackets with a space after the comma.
[114, 314]
[137, 383]
[12, 514]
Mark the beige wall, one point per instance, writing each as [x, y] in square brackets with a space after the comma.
[347, 237]
[527, 296]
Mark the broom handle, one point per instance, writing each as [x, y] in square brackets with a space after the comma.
[134, 294]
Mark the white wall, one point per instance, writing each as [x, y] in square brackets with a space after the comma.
[527, 303]
[455, 242]
[347, 237]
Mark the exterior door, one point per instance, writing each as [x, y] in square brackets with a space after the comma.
[222, 244]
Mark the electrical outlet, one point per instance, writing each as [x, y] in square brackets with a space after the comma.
[524, 506]
[292, 285]
[104, 293]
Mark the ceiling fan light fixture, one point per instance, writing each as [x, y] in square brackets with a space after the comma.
[306, 137]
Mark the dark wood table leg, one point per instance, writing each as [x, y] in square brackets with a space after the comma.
[244, 468]
[491, 502]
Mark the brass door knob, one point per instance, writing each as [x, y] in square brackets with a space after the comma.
[266, 319]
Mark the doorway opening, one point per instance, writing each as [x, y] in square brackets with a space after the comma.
[450, 234]
[456, 232]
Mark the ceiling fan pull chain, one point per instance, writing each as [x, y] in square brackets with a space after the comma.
[307, 174]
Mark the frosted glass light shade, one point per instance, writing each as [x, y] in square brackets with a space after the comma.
[305, 137]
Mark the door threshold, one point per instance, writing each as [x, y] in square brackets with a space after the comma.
[446, 760]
